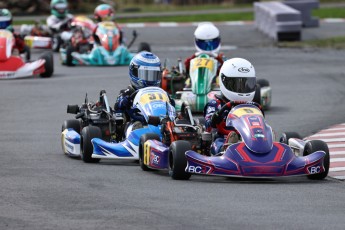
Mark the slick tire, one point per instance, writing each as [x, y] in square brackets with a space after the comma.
[143, 139]
[86, 148]
[69, 57]
[287, 135]
[143, 46]
[48, 65]
[263, 82]
[318, 145]
[178, 161]
[257, 95]
[71, 124]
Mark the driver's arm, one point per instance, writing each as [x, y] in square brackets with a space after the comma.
[210, 108]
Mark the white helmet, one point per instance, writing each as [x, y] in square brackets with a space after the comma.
[237, 80]
[207, 39]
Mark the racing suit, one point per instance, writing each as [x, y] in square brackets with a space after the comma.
[19, 44]
[219, 58]
[58, 24]
[215, 120]
[124, 103]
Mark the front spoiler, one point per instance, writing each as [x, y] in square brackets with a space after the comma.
[238, 161]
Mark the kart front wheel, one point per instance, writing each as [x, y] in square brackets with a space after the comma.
[69, 57]
[48, 65]
[143, 139]
[71, 124]
[86, 148]
[313, 146]
[257, 95]
[178, 161]
[143, 46]
[287, 135]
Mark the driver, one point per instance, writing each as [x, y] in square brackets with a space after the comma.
[60, 18]
[237, 81]
[106, 12]
[144, 70]
[207, 41]
[6, 24]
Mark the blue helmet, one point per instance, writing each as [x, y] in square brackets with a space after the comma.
[145, 70]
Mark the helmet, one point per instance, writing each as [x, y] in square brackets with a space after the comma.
[104, 12]
[145, 70]
[59, 8]
[5, 18]
[207, 39]
[237, 80]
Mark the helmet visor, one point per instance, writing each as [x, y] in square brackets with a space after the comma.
[60, 7]
[239, 84]
[148, 73]
[208, 45]
[5, 24]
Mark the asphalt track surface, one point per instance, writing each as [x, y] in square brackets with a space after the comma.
[43, 189]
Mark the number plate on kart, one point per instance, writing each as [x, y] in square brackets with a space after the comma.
[202, 62]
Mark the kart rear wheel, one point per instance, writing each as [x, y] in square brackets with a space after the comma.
[143, 139]
[257, 95]
[144, 46]
[178, 161]
[69, 57]
[287, 135]
[86, 148]
[71, 124]
[57, 41]
[48, 65]
[263, 82]
[313, 146]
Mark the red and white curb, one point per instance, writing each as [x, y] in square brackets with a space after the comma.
[335, 139]
[226, 23]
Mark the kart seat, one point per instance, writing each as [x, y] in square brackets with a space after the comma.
[11, 64]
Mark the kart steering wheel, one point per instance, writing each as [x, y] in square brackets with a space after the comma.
[228, 106]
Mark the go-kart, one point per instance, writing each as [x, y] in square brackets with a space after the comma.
[37, 36]
[204, 84]
[106, 50]
[13, 66]
[255, 155]
[119, 142]
[154, 150]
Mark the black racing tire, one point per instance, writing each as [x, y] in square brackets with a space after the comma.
[143, 139]
[257, 95]
[263, 82]
[69, 58]
[57, 41]
[178, 160]
[287, 135]
[144, 46]
[74, 124]
[86, 148]
[318, 145]
[27, 52]
[48, 65]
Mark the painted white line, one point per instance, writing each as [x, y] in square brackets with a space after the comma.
[342, 145]
[235, 23]
[168, 24]
[334, 153]
[337, 160]
[189, 48]
[333, 140]
[333, 129]
[135, 25]
[339, 177]
[337, 169]
[341, 134]
[334, 20]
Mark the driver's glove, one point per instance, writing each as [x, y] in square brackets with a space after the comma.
[215, 119]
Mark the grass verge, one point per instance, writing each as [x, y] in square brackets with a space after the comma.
[333, 43]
